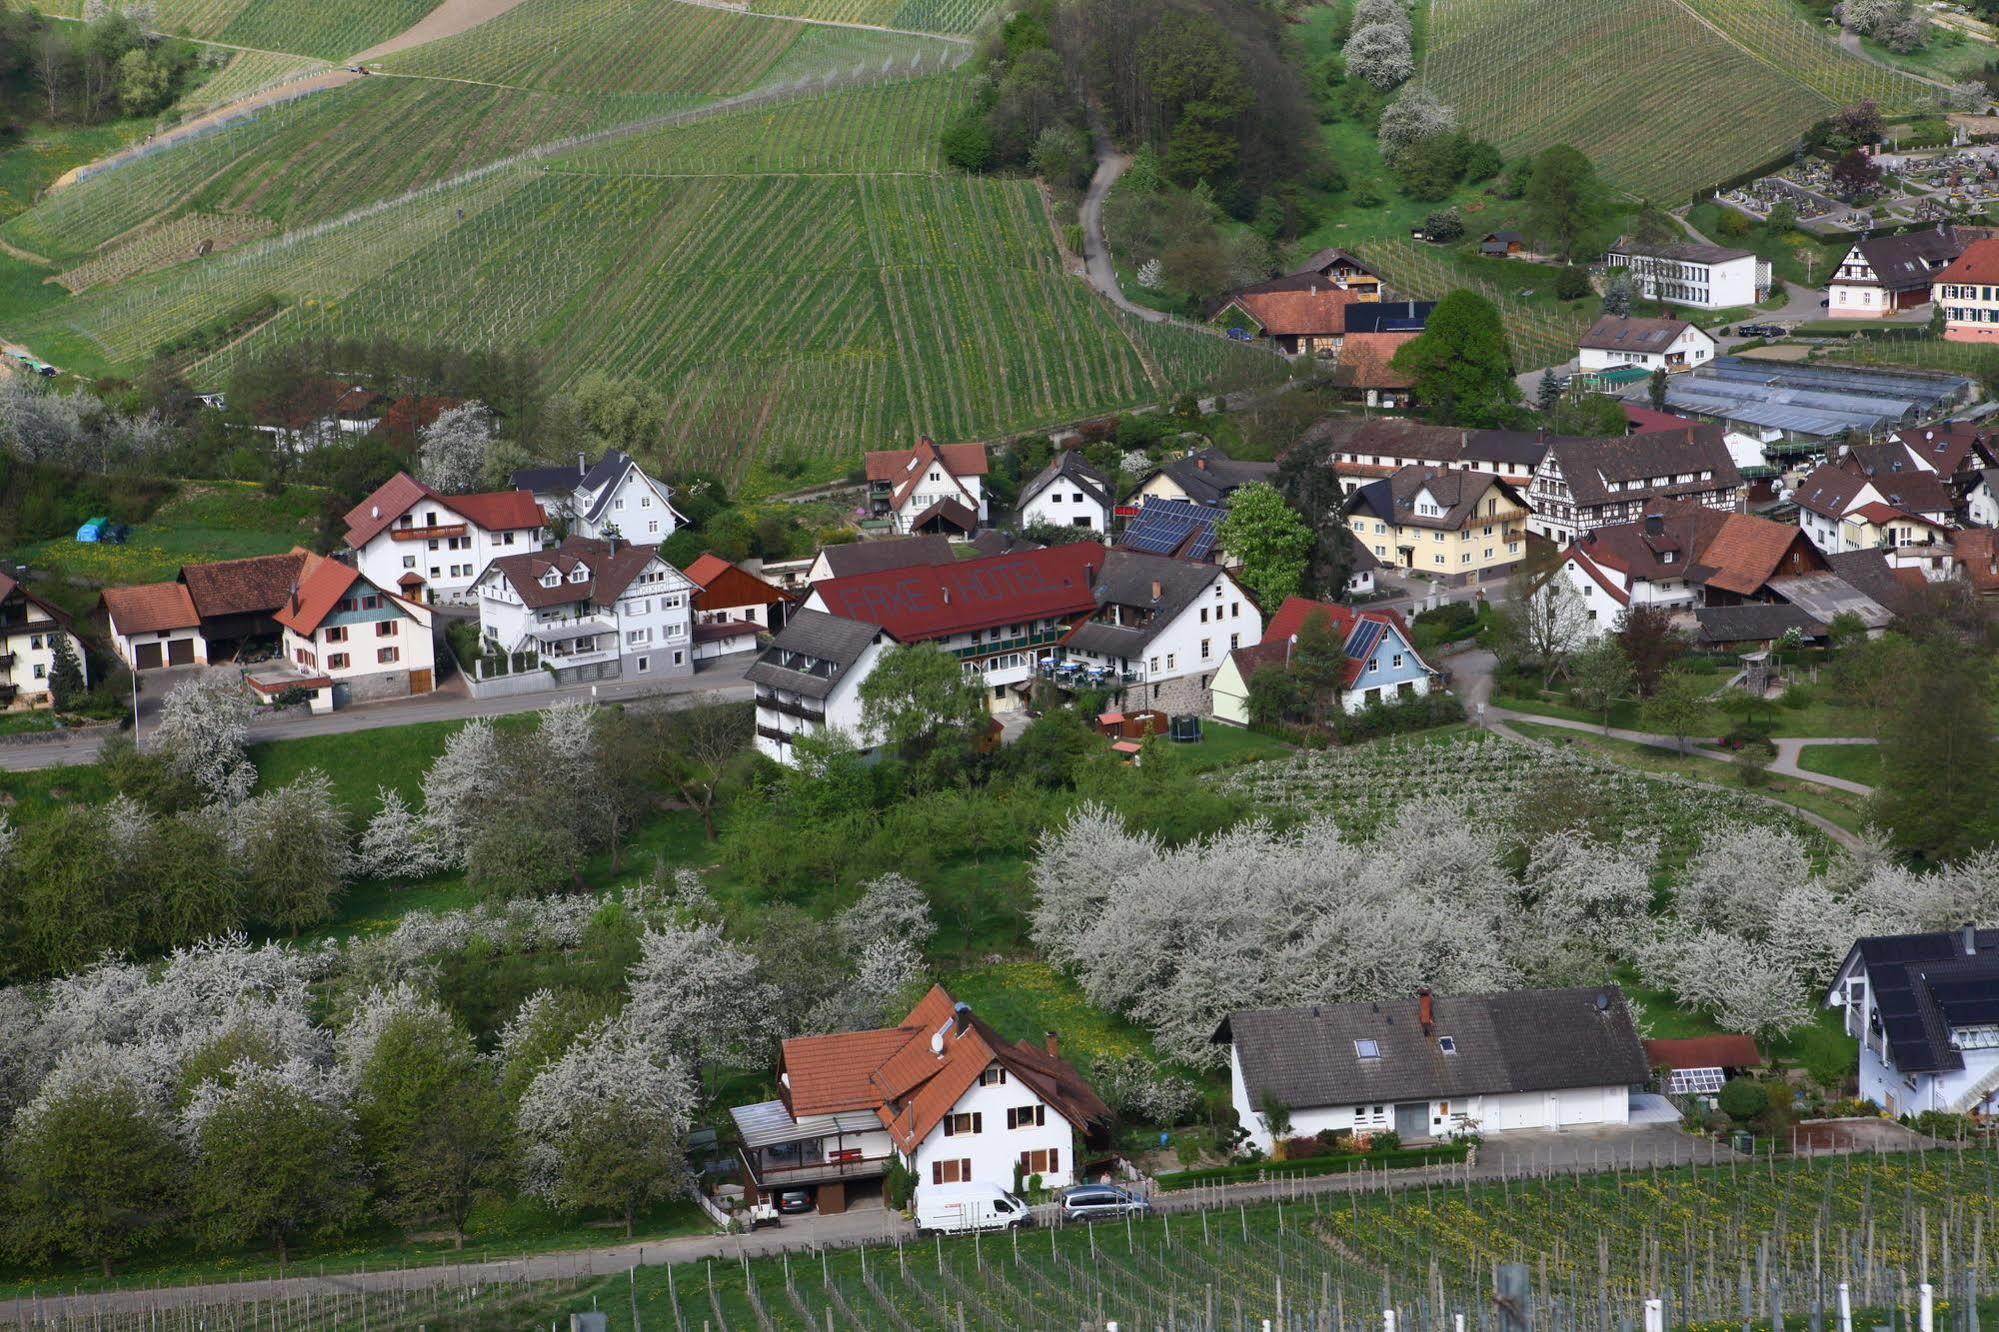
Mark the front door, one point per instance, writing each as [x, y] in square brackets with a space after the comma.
[180, 652]
[146, 656]
[1412, 1120]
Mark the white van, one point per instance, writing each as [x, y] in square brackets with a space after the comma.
[951, 1209]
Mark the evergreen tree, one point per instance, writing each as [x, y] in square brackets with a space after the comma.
[66, 674]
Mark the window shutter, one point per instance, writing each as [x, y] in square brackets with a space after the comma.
[965, 1169]
[948, 1130]
[1040, 1114]
[1054, 1160]
[936, 1172]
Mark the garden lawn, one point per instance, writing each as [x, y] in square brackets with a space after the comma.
[40, 154]
[1847, 810]
[1224, 746]
[1855, 763]
[1818, 718]
[1665, 1020]
[1023, 1000]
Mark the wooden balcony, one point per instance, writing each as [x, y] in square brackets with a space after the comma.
[773, 733]
[813, 1172]
[427, 533]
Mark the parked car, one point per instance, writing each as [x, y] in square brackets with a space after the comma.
[1088, 1202]
[956, 1208]
[793, 1201]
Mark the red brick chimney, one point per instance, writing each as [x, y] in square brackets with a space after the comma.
[1051, 1043]
[1426, 1016]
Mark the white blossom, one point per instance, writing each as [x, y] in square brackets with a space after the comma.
[693, 991]
[452, 451]
[567, 738]
[615, 1066]
[203, 725]
[355, 1045]
[1390, 12]
[1416, 114]
[889, 907]
[1380, 53]
[1733, 882]
[398, 843]
[888, 968]
[458, 782]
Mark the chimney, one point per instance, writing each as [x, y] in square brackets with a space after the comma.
[1201, 464]
[945, 592]
[1426, 1015]
[1970, 939]
[1156, 589]
[1089, 575]
[1052, 1044]
[581, 470]
[961, 1018]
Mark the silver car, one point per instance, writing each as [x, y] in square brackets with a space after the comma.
[1089, 1202]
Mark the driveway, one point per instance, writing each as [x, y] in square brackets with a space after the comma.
[722, 681]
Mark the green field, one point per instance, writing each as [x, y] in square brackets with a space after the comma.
[330, 31]
[1855, 763]
[1702, 90]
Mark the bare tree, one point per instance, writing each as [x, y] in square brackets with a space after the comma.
[701, 742]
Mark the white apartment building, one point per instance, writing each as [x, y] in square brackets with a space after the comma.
[808, 681]
[614, 495]
[590, 610]
[1709, 277]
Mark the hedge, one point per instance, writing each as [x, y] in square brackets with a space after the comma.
[1252, 1171]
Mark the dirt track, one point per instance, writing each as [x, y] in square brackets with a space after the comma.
[447, 20]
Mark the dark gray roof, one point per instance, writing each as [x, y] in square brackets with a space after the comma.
[866, 557]
[1683, 253]
[1589, 465]
[1868, 573]
[566, 477]
[1458, 493]
[1071, 464]
[1127, 583]
[1754, 622]
[1209, 475]
[1415, 441]
[1364, 558]
[1908, 262]
[1526, 1040]
[1924, 986]
[1622, 333]
[810, 654]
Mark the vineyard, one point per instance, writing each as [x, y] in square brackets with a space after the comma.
[159, 247]
[1662, 102]
[330, 31]
[1745, 1244]
[955, 16]
[1541, 335]
[616, 47]
[1976, 359]
[246, 72]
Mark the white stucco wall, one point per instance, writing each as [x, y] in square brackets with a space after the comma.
[447, 572]
[34, 661]
[994, 1150]
[1061, 503]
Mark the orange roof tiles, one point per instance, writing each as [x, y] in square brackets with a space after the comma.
[496, 511]
[829, 1074]
[321, 585]
[1745, 552]
[1978, 263]
[1704, 1052]
[1365, 361]
[150, 608]
[1285, 314]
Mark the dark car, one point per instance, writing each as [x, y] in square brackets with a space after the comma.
[791, 1202]
[1088, 1202]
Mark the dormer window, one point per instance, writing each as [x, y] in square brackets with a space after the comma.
[580, 574]
[551, 579]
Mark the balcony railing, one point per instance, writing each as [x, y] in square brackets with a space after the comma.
[426, 533]
[1016, 644]
[7, 660]
[800, 710]
[773, 733]
[1072, 675]
[815, 1172]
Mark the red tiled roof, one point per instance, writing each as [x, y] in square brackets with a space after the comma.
[495, 510]
[321, 585]
[1285, 314]
[1296, 611]
[254, 586]
[828, 1074]
[1978, 263]
[1704, 1052]
[725, 587]
[903, 468]
[150, 608]
[1879, 513]
[932, 601]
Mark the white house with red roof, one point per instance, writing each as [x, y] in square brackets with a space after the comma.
[1382, 664]
[30, 628]
[346, 638]
[430, 547]
[1682, 555]
[941, 1092]
[930, 488]
[153, 625]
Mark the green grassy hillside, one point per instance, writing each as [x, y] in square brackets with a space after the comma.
[1666, 96]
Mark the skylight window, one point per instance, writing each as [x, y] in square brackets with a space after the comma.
[1447, 1044]
[1367, 1049]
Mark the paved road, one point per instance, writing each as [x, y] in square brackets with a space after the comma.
[1513, 1156]
[1097, 264]
[724, 680]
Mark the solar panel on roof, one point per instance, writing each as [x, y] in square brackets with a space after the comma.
[1365, 638]
[1164, 527]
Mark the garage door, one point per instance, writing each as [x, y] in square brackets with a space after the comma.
[1514, 1112]
[146, 656]
[180, 652]
[1579, 1107]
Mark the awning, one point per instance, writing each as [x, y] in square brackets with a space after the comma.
[769, 1124]
[562, 633]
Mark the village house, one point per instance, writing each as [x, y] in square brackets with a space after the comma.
[1957, 451]
[1304, 312]
[866, 557]
[238, 600]
[1382, 665]
[1342, 269]
[932, 487]
[1364, 372]
[1583, 484]
[1853, 504]
[808, 681]
[1180, 528]
[430, 547]
[1436, 1067]
[588, 610]
[1672, 345]
[1975, 559]
[1157, 632]
[1069, 492]
[999, 615]
[322, 411]
[732, 607]
[1925, 1009]
[1456, 526]
[1700, 1065]
[1502, 244]
[1206, 476]
[941, 1092]
[1968, 290]
[1886, 275]
[30, 629]
[1363, 566]
[347, 640]
[1710, 277]
[613, 495]
[153, 625]
[1682, 555]
[1367, 448]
